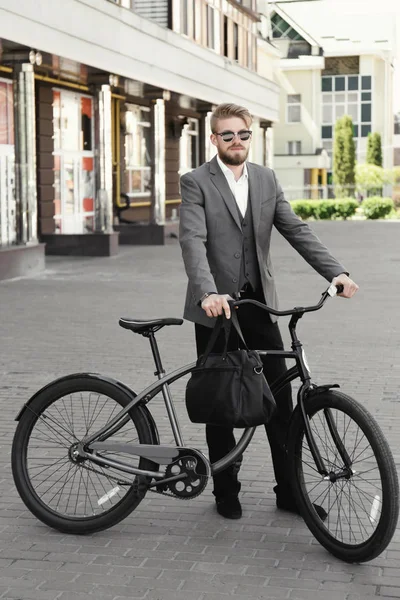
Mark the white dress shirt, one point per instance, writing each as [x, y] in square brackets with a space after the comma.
[239, 188]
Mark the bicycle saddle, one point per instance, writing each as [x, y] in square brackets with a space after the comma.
[143, 327]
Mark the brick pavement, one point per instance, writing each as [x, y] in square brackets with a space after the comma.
[65, 320]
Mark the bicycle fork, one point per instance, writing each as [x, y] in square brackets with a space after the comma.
[346, 472]
[309, 388]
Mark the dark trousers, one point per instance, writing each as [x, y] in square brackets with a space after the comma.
[260, 334]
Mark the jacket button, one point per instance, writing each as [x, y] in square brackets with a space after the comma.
[237, 255]
[234, 280]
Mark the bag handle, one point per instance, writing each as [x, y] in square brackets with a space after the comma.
[226, 324]
[216, 331]
[235, 322]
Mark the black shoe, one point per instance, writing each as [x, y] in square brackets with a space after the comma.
[229, 507]
[285, 501]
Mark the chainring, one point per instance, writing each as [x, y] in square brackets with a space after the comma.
[196, 468]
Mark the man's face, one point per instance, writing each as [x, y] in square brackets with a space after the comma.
[235, 151]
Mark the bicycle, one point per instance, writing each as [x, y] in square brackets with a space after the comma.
[86, 450]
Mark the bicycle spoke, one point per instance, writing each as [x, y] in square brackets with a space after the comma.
[353, 501]
[69, 487]
[47, 467]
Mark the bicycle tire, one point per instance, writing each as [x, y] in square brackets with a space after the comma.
[347, 536]
[50, 483]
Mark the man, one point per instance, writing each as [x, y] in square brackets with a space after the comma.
[228, 209]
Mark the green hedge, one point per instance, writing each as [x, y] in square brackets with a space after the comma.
[377, 207]
[340, 208]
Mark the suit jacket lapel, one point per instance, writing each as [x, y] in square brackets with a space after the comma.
[220, 182]
[255, 196]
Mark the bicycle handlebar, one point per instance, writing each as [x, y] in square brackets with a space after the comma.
[331, 291]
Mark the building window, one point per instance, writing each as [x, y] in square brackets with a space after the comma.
[137, 150]
[365, 112]
[327, 84]
[6, 113]
[396, 124]
[294, 148]
[294, 108]
[218, 25]
[225, 38]
[327, 131]
[340, 84]
[184, 12]
[365, 130]
[236, 41]
[366, 82]
[211, 27]
[353, 82]
[282, 29]
[346, 95]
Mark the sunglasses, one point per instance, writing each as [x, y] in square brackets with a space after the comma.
[228, 136]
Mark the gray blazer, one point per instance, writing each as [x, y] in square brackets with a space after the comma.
[210, 235]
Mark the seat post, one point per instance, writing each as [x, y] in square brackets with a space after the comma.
[165, 390]
[156, 355]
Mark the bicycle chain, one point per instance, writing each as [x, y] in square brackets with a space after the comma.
[170, 495]
[136, 484]
[107, 476]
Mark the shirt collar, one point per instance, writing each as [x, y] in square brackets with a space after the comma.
[226, 170]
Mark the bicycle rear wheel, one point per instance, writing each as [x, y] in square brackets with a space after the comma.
[75, 495]
[361, 503]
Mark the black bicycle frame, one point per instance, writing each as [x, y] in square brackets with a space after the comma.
[162, 385]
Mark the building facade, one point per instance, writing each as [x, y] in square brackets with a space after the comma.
[116, 101]
[321, 79]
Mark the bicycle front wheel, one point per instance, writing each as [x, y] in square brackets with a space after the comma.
[360, 504]
[76, 495]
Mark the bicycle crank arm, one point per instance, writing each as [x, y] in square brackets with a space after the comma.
[168, 480]
[163, 455]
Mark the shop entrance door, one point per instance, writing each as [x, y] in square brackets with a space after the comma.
[8, 233]
[74, 181]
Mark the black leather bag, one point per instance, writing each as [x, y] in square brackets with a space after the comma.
[229, 389]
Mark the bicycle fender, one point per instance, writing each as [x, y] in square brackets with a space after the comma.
[318, 389]
[315, 389]
[96, 376]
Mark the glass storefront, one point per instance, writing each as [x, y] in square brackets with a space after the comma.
[137, 151]
[7, 172]
[74, 181]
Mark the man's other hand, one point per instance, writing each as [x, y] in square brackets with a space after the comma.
[349, 287]
[215, 304]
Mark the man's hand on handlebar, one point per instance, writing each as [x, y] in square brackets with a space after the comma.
[349, 286]
[215, 304]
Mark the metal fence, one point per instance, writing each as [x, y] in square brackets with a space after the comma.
[323, 192]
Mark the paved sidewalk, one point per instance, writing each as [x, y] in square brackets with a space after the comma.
[66, 320]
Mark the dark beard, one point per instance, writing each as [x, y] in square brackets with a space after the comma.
[233, 159]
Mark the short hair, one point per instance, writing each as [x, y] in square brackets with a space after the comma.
[227, 110]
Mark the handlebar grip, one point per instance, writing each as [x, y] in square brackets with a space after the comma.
[340, 288]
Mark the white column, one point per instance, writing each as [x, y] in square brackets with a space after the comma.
[104, 188]
[158, 215]
[25, 153]
[269, 141]
[210, 149]
[256, 149]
